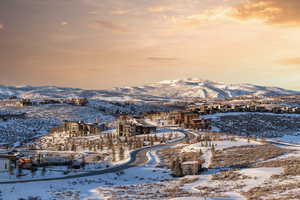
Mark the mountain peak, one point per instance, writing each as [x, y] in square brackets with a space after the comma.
[168, 89]
[201, 88]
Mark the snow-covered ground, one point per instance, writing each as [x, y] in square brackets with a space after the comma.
[219, 145]
[40, 119]
[86, 188]
[276, 127]
[90, 163]
[218, 115]
[256, 177]
[140, 179]
[259, 175]
[249, 178]
[133, 100]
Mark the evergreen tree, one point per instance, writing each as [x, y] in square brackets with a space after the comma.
[10, 170]
[178, 168]
[213, 148]
[151, 141]
[173, 165]
[19, 171]
[113, 154]
[83, 163]
[32, 170]
[121, 153]
[43, 172]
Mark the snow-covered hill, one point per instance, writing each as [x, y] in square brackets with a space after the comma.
[174, 89]
[197, 88]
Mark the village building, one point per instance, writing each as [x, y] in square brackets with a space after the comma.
[4, 164]
[190, 167]
[160, 118]
[7, 160]
[75, 128]
[175, 118]
[24, 102]
[200, 124]
[9, 102]
[25, 163]
[128, 126]
[79, 101]
[294, 110]
[261, 108]
[189, 119]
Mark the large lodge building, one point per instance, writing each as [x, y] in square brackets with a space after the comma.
[181, 118]
[78, 128]
[188, 119]
[128, 126]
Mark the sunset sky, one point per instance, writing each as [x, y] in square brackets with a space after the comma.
[100, 44]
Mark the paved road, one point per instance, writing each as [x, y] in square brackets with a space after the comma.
[284, 144]
[137, 157]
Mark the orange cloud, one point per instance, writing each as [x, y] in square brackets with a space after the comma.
[216, 15]
[164, 59]
[120, 12]
[159, 9]
[1, 26]
[290, 61]
[278, 12]
[110, 25]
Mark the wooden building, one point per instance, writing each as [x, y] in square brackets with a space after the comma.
[189, 119]
[76, 128]
[131, 126]
[24, 102]
[4, 164]
[191, 167]
[200, 124]
[79, 101]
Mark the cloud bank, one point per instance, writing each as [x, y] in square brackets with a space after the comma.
[277, 12]
[110, 25]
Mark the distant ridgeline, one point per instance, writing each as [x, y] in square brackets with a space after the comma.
[13, 101]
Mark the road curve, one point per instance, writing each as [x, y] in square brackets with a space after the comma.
[284, 144]
[137, 157]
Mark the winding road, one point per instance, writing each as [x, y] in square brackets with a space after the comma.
[283, 144]
[137, 157]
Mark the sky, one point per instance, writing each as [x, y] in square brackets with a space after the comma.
[100, 44]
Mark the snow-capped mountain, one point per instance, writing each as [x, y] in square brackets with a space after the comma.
[197, 88]
[173, 89]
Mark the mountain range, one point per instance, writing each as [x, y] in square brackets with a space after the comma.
[171, 89]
